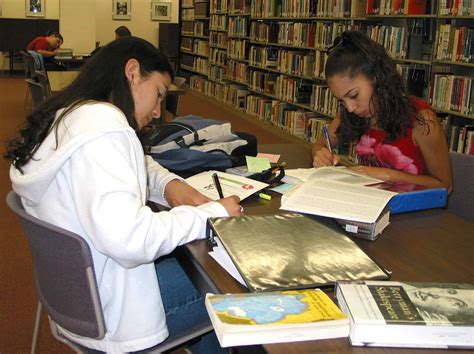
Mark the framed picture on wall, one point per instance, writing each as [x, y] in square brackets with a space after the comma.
[160, 11]
[35, 8]
[121, 9]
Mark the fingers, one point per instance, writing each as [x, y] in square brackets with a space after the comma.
[232, 205]
[324, 158]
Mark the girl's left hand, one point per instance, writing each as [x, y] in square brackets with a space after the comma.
[382, 173]
[179, 193]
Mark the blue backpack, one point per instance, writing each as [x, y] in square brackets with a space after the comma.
[191, 144]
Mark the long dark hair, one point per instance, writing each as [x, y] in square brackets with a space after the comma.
[101, 79]
[352, 54]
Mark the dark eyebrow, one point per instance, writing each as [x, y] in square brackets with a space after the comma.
[348, 92]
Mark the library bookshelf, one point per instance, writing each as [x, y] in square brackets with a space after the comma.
[267, 57]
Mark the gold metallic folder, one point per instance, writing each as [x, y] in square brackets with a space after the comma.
[291, 251]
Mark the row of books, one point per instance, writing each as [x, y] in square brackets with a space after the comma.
[455, 43]
[218, 6]
[239, 6]
[456, 7]
[237, 71]
[238, 26]
[307, 8]
[201, 9]
[397, 7]
[323, 101]
[187, 14]
[217, 56]
[197, 46]
[393, 39]
[237, 49]
[293, 90]
[461, 139]
[218, 22]
[452, 93]
[264, 57]
[263, 82]
[218, 39]
[217, 73]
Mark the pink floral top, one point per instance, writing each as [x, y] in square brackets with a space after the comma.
[401, 154]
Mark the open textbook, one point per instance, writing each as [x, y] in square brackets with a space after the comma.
[337, 199]
[242, 187]
[339, 173]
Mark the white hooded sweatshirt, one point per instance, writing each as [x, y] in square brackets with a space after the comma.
[93, 181]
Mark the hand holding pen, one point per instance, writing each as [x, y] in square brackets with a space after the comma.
[325, 156]
[231, 203]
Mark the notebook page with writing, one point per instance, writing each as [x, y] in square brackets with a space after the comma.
[337, 200]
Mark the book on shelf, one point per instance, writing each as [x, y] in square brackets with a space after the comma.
[370, 231]
[396, 314]
[275, 317]
[289, 251]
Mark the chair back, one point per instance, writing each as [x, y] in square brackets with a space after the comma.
[64, 274]
[26, 64]
[461, 200]
[43, 80]
[37, 92]
[172, 101]
[30, 64]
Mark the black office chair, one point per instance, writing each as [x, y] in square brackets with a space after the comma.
[37, 92]
[66, 283]
[461, 201]
[172, 101]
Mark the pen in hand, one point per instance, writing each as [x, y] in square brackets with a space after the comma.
[328, 141]
[217, 184]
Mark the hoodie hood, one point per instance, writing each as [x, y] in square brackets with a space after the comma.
[85, 123]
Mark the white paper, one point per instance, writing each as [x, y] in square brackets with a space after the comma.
[240, 186]
[337, 200]
[221, 256]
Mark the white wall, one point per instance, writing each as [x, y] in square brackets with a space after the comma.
[84, 22]
[77, 26]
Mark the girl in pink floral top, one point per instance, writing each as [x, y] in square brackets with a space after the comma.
[398, 136]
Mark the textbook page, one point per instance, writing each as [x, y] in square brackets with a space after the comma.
[339, 173]
[337, 200]
[240, 186]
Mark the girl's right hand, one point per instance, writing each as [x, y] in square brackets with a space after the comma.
[231, 204]
[324, 157]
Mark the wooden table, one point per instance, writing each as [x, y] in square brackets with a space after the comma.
[58, 80]
[431, 246]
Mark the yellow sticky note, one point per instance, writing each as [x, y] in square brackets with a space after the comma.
[257, 164]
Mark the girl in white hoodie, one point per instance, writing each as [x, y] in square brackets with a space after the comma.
[78, 164]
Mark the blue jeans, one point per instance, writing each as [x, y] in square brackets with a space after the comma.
[184, 307]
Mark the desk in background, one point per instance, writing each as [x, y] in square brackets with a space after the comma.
[58, 80]
[430, 246]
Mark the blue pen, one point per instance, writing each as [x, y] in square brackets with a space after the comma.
[326, 136]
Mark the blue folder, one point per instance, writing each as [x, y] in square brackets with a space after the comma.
[418, 200]
[412, 197]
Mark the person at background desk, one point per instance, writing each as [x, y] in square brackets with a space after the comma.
[120, 32]
[398, 136]
[48, 47]
[78, 164]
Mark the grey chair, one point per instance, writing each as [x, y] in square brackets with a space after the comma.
[43, 80]
[66, 284]
[172, 101]
[37, 92]
[461, 200]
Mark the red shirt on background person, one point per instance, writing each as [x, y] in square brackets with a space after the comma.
[46, 46]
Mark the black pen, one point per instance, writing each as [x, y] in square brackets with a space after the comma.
[217, 184]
